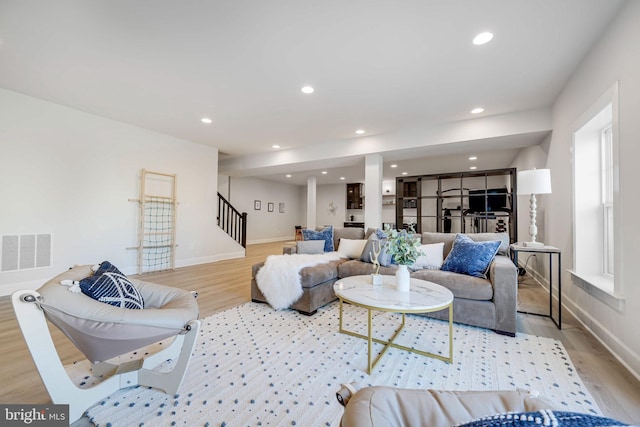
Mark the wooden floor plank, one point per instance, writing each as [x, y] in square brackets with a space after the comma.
[224, 284]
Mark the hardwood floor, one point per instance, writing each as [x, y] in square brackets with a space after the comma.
[225, 284]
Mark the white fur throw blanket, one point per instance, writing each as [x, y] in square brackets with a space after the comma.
[279, 277]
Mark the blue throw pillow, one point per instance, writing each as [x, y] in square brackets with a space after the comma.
[469, 257]
[110, 286]
[385, 259]
[380, 233]
[325, 234]
[543, 417]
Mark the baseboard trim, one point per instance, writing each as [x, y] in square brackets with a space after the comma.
[9, 288]
[206, 260]
[611, 342]
[269, 240]
[617, 348]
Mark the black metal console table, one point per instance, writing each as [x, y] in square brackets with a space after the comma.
[551, 250]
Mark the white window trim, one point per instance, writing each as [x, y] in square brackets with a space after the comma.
[607, 288]
[607, 199]
[600, 287]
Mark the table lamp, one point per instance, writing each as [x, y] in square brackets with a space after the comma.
[535, 181]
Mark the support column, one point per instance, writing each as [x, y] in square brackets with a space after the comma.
[311, 202]
[373, 169]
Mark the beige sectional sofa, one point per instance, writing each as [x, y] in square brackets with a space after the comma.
[488, 303]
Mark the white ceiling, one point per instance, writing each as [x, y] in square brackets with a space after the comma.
[495, 154]
[382, 66]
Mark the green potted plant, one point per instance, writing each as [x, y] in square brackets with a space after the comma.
[405, 247]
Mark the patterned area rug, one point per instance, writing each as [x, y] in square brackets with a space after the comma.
[256, 366]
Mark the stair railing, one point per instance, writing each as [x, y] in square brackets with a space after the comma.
[232, 221]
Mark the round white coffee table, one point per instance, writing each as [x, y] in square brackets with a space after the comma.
[423, 297]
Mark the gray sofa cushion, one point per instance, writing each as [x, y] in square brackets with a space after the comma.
[503, 238]
[447, 238]
[462, 285]
[310, 247]
[313, 276]
[358, 268]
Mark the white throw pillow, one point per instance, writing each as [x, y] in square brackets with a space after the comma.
[432, 258]
[351, 248]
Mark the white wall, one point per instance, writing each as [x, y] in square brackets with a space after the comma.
[336, 193]
[388, 211]
[389, 214]
[223, 186]
[262, 225]
[615, 57]
[302, 205]
[71, 174]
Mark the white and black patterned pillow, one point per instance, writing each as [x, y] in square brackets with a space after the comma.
[110, 286]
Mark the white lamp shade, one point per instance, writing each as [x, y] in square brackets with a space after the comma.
[535, 181]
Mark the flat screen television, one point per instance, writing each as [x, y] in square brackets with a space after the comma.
[496, 200]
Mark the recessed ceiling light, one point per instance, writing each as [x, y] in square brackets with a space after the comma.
[393, 166]
[482, 38]
[206, 120]
[307, 89]
[477, 110]
[360, 131]
[473, 158]
[405, 173]
[324, 172]
[342, 178]
[473, 168]
[288, 175]
[275, 146]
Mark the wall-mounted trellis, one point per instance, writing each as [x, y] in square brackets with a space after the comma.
[156, 222]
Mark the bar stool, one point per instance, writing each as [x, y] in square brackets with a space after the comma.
[299, 235]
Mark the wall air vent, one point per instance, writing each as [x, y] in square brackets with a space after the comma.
[25, 252]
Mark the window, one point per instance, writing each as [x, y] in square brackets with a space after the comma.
[595, 165]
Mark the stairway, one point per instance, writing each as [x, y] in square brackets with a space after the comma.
[232, 221]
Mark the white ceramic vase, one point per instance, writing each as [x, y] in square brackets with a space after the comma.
[403, 280]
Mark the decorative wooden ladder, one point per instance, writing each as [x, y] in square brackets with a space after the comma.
[157, 204]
